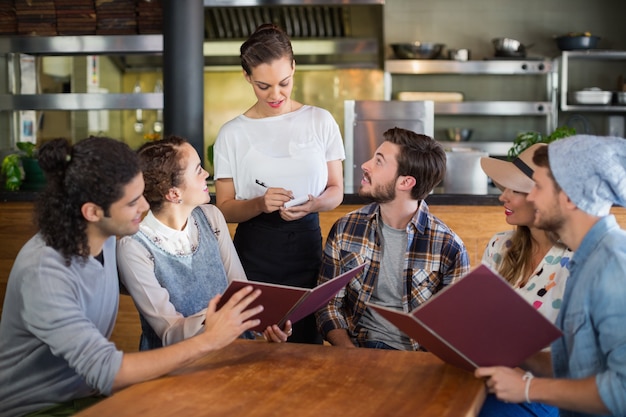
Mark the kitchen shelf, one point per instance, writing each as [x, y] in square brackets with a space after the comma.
[82, 45]
[144, 52]
[494, 108]
[522, 67]
[81, 101]
[491, 147]
[76, 46]
[486, 67]
[563, 62]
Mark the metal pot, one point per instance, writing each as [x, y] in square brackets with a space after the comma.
[459, 134]
[573, 42]
[417, 50]
[507, 47]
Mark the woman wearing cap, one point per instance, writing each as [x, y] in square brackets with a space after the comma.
[533, 261]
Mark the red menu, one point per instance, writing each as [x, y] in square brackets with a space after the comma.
[281, 302]
[478, 321]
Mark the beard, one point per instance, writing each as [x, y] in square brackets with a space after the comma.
[380, 193]
[550, 222]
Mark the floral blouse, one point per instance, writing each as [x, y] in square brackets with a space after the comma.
[545, 288]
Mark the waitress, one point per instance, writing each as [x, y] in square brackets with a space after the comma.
[279, 152]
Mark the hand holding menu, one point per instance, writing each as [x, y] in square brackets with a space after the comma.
[281, 302]
[478, 321]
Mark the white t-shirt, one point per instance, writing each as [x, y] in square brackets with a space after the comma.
[546, 286]
[290, 151]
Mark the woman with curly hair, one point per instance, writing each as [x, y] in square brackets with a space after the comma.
[183, 256]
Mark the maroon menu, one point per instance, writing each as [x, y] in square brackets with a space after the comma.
[478, 321]
[281, 302]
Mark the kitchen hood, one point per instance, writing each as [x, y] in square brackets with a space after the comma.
[324, 33]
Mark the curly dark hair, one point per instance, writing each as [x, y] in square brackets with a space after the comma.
[93, 170]
[421, 157]
[161, 164]
[268, 43]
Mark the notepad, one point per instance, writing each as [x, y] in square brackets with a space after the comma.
[282, 302]
[478, 321]
[297, 201]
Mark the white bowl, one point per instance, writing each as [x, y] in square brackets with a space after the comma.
[590, 97]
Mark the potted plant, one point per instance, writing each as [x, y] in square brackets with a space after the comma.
[21, 170]
[526, 139]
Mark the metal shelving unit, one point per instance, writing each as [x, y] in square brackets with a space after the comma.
[522, 67]
[81, 101]
[145, 45]
[440, 66]
[81, 45]
[563, 62]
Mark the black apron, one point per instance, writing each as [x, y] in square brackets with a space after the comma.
[281, 252]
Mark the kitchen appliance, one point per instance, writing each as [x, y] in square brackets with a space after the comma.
[367, 120]
[324, 33]
[365, 123]
[463, 172]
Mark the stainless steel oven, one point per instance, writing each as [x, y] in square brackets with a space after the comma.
[365, 123]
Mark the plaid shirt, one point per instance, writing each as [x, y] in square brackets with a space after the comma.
[435, 257]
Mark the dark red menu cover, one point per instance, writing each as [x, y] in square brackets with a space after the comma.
[282, 302]
[478, 321]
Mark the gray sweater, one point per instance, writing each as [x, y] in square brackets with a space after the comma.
[55, 327]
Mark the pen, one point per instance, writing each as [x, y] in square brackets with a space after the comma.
[262, 184]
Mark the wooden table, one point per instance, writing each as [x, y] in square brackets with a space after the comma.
[255, 378]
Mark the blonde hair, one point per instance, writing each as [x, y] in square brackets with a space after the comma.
[517, 260]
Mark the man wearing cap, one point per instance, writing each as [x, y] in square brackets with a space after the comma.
[532, 260]
[577, 181]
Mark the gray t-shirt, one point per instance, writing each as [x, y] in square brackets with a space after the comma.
[55, 329]
[388, 291]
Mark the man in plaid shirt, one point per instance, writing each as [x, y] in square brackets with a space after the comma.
[410, 253]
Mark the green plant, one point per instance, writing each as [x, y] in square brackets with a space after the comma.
[526, 139]
[28, 149]
[12, 166]
[12, 172]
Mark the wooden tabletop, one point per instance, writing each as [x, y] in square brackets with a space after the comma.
[255, 378]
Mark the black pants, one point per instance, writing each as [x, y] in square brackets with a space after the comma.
[280, 252]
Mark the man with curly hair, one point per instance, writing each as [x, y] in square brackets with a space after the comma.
[63, 291]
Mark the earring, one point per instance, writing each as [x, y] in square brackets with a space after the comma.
[180, 200]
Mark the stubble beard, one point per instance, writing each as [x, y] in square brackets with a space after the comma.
[380, 194]
[552, 223]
